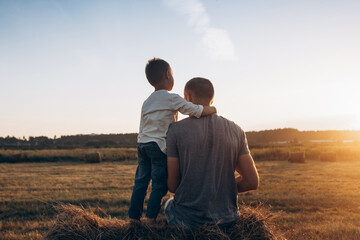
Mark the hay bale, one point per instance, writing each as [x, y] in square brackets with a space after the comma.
[93, 157]
[74, 222]
[18, 158]
[297, 157]
[328, 157]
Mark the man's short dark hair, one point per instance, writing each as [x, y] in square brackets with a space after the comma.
[155, 70]
[201, 88]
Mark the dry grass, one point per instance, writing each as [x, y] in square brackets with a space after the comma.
[344, 152]
[315, 200]
[55, 155]
[74, 222]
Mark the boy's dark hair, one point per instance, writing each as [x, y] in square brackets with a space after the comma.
[201, 88]
[155, 70]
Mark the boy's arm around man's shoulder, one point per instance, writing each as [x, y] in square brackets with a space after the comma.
[188, 108]
[207, 110]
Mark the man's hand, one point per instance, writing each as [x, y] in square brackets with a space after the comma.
[249, 178]
[173, 173]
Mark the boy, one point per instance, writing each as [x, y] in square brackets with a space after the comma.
[158, 111]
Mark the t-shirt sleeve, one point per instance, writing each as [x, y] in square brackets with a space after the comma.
[185, 107]
[244, 148]
[171, 143]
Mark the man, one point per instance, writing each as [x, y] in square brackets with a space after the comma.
[202, 157]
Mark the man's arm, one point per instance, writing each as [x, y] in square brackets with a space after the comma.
[207, 110]
[173, 173]
[249, 178]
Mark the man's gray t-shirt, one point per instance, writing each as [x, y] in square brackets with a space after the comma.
[207, 149]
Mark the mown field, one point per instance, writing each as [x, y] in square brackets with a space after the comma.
[343, 152]
[315, 200]
[66, 155]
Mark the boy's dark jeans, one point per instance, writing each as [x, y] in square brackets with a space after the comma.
[151, 165]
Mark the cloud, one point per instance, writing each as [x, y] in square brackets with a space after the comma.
[215, 41]
[218, 44]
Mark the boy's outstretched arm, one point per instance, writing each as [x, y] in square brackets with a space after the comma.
[207, 110]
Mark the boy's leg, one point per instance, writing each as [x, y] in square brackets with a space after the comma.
[159, 180]
[142, 179]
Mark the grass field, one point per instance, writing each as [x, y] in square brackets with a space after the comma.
[315, 200]
[343, 152]
[68, 155]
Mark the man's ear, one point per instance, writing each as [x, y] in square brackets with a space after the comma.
[187, 96]
[211, 102]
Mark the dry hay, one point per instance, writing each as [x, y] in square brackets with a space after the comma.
[20, 157]
[297, 157]
[74, 222]
[93, 157]
[328, 157]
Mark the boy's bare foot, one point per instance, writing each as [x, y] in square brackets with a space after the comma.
[149, 221]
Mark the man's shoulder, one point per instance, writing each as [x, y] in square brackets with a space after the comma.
[229, 121]
[185, 123]
[231, 125]
[214, 117]
[192, 121]
[181, 123]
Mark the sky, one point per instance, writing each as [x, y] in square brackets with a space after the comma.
[77, 67]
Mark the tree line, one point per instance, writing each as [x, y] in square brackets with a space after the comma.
[72, 141]
[292, 135]
[274, 136]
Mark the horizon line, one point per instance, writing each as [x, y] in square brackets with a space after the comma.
[96, 134]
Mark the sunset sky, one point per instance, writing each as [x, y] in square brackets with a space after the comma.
[77, 67]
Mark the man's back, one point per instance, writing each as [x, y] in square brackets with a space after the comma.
[207, 149]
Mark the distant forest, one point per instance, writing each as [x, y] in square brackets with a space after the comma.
[255, 138]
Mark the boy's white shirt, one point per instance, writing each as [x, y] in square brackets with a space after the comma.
[158, 111]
